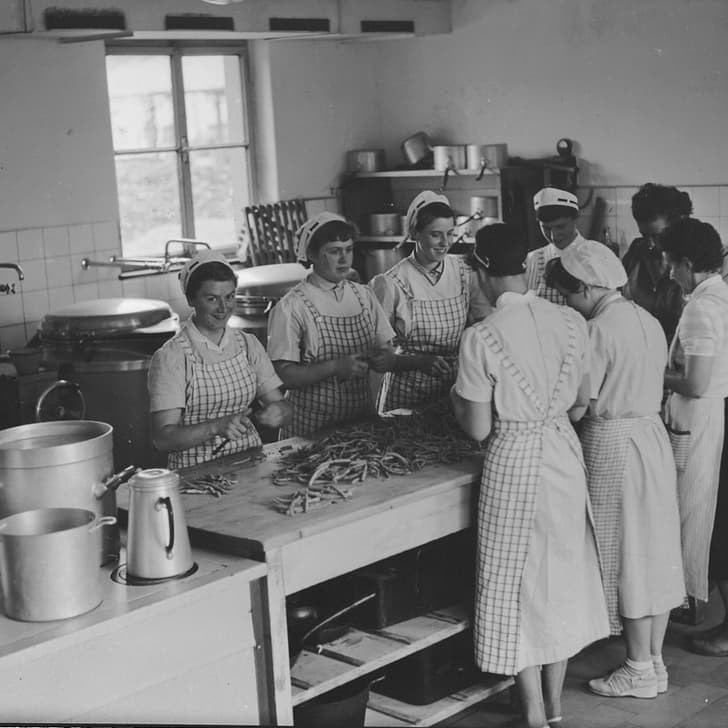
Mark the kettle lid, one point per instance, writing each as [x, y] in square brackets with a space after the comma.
[154, 478]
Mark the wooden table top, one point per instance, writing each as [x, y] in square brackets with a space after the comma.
[243, 521]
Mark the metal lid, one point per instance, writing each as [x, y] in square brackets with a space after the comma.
[154, 478]
[270, 280]
[108, 317]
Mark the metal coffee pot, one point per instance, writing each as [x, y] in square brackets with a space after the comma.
[158, 546]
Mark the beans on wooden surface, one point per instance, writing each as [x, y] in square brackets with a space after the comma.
[213, 484]
[377, 448]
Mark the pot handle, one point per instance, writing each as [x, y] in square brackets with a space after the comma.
[114, 481]
[99, 522]
[166, 502]
[483, 167]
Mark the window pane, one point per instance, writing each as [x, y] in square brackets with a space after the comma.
[213, 99]
[219, 192]
[149, 205]
[140, 96]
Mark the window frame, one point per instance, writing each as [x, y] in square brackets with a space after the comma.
[176, 50]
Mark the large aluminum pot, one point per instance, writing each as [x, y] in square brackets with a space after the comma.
[63, 464]
[48, 564]
[417, 149]
[449, 157]
[385, 223]
[365, 160]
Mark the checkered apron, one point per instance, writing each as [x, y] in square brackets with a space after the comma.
[605, 443]
[436, 329]
[536, 280]
[506, 509]
[334, 400]
[216, 390]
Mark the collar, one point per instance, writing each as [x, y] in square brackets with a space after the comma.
[705, 286]
[604, 302]
[198, 337]
[336, 289]
[434, 274]
[508, 298]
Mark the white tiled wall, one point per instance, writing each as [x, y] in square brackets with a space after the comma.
[51, 261]
[710, 204]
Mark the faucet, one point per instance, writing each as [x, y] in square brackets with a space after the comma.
[7, 287]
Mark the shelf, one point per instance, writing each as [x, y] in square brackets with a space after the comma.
[384, 711]
[423, 173]
[361, 652]
[395, 239]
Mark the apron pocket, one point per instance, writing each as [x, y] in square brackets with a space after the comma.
[680, 441]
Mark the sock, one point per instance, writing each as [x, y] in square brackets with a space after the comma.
[657, 660]
[634, 666]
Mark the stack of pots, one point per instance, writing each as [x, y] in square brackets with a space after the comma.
[57, 492]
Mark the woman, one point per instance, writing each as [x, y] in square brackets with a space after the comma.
[204, 381]
[539, 598]
[325, 333]
[697, 377]
[631, 473]
[649, 284]
[427, 297]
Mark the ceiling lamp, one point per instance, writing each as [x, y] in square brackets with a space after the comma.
[222, 2]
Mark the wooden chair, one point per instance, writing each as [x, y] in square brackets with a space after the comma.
[271, 231]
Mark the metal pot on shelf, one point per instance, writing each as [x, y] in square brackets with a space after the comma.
[48, 563]
[364, 160]
[417, 150]
[385, 224]
[64, 464]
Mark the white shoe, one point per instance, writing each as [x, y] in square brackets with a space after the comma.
[623, 683]
[662, 677]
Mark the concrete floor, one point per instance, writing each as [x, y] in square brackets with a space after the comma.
[697, 696]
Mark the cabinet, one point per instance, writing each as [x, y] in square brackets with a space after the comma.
[510, 188]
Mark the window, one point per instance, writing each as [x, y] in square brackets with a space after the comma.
[178, 119]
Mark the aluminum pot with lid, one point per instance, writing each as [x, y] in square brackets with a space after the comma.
[48, 565]
[64, 464]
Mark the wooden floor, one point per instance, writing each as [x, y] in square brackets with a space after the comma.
[697, 696]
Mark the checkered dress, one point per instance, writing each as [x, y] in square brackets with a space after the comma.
[506, 510]
[334, 400]
[216, 390]
[437, 326]
[535, 269]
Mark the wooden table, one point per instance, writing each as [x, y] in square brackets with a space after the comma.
[382, 518]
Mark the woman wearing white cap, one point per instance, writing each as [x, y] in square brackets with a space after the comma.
[427, 298]
[632, 478]
[557, 211]
[204, 380]
[325, 333]
[539, 598]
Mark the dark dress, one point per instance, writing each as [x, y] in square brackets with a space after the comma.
[649, 284]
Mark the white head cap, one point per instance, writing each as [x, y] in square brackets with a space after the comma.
[306, 231]
[206, 255]
[426, 197]
[593, 263]
[552, 196]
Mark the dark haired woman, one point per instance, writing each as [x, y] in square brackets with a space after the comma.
[427, 298]
[649, 284]
[697, 378]
[203, 381]
[325, 333]
[539, 597]
[631, 474]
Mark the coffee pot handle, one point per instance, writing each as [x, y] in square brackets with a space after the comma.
[166, 502]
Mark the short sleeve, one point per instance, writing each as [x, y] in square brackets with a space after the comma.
[285, 331]
[698, 335]
[473, 382]
[266, 378]
[166, 378]
[382, 286]
[383, 331]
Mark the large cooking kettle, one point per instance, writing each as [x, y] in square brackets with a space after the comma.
[63, 464]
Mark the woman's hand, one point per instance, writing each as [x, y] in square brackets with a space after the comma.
[234, 427]
[352, 366]
[383, 360]
[435, 366]
[275, 414]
